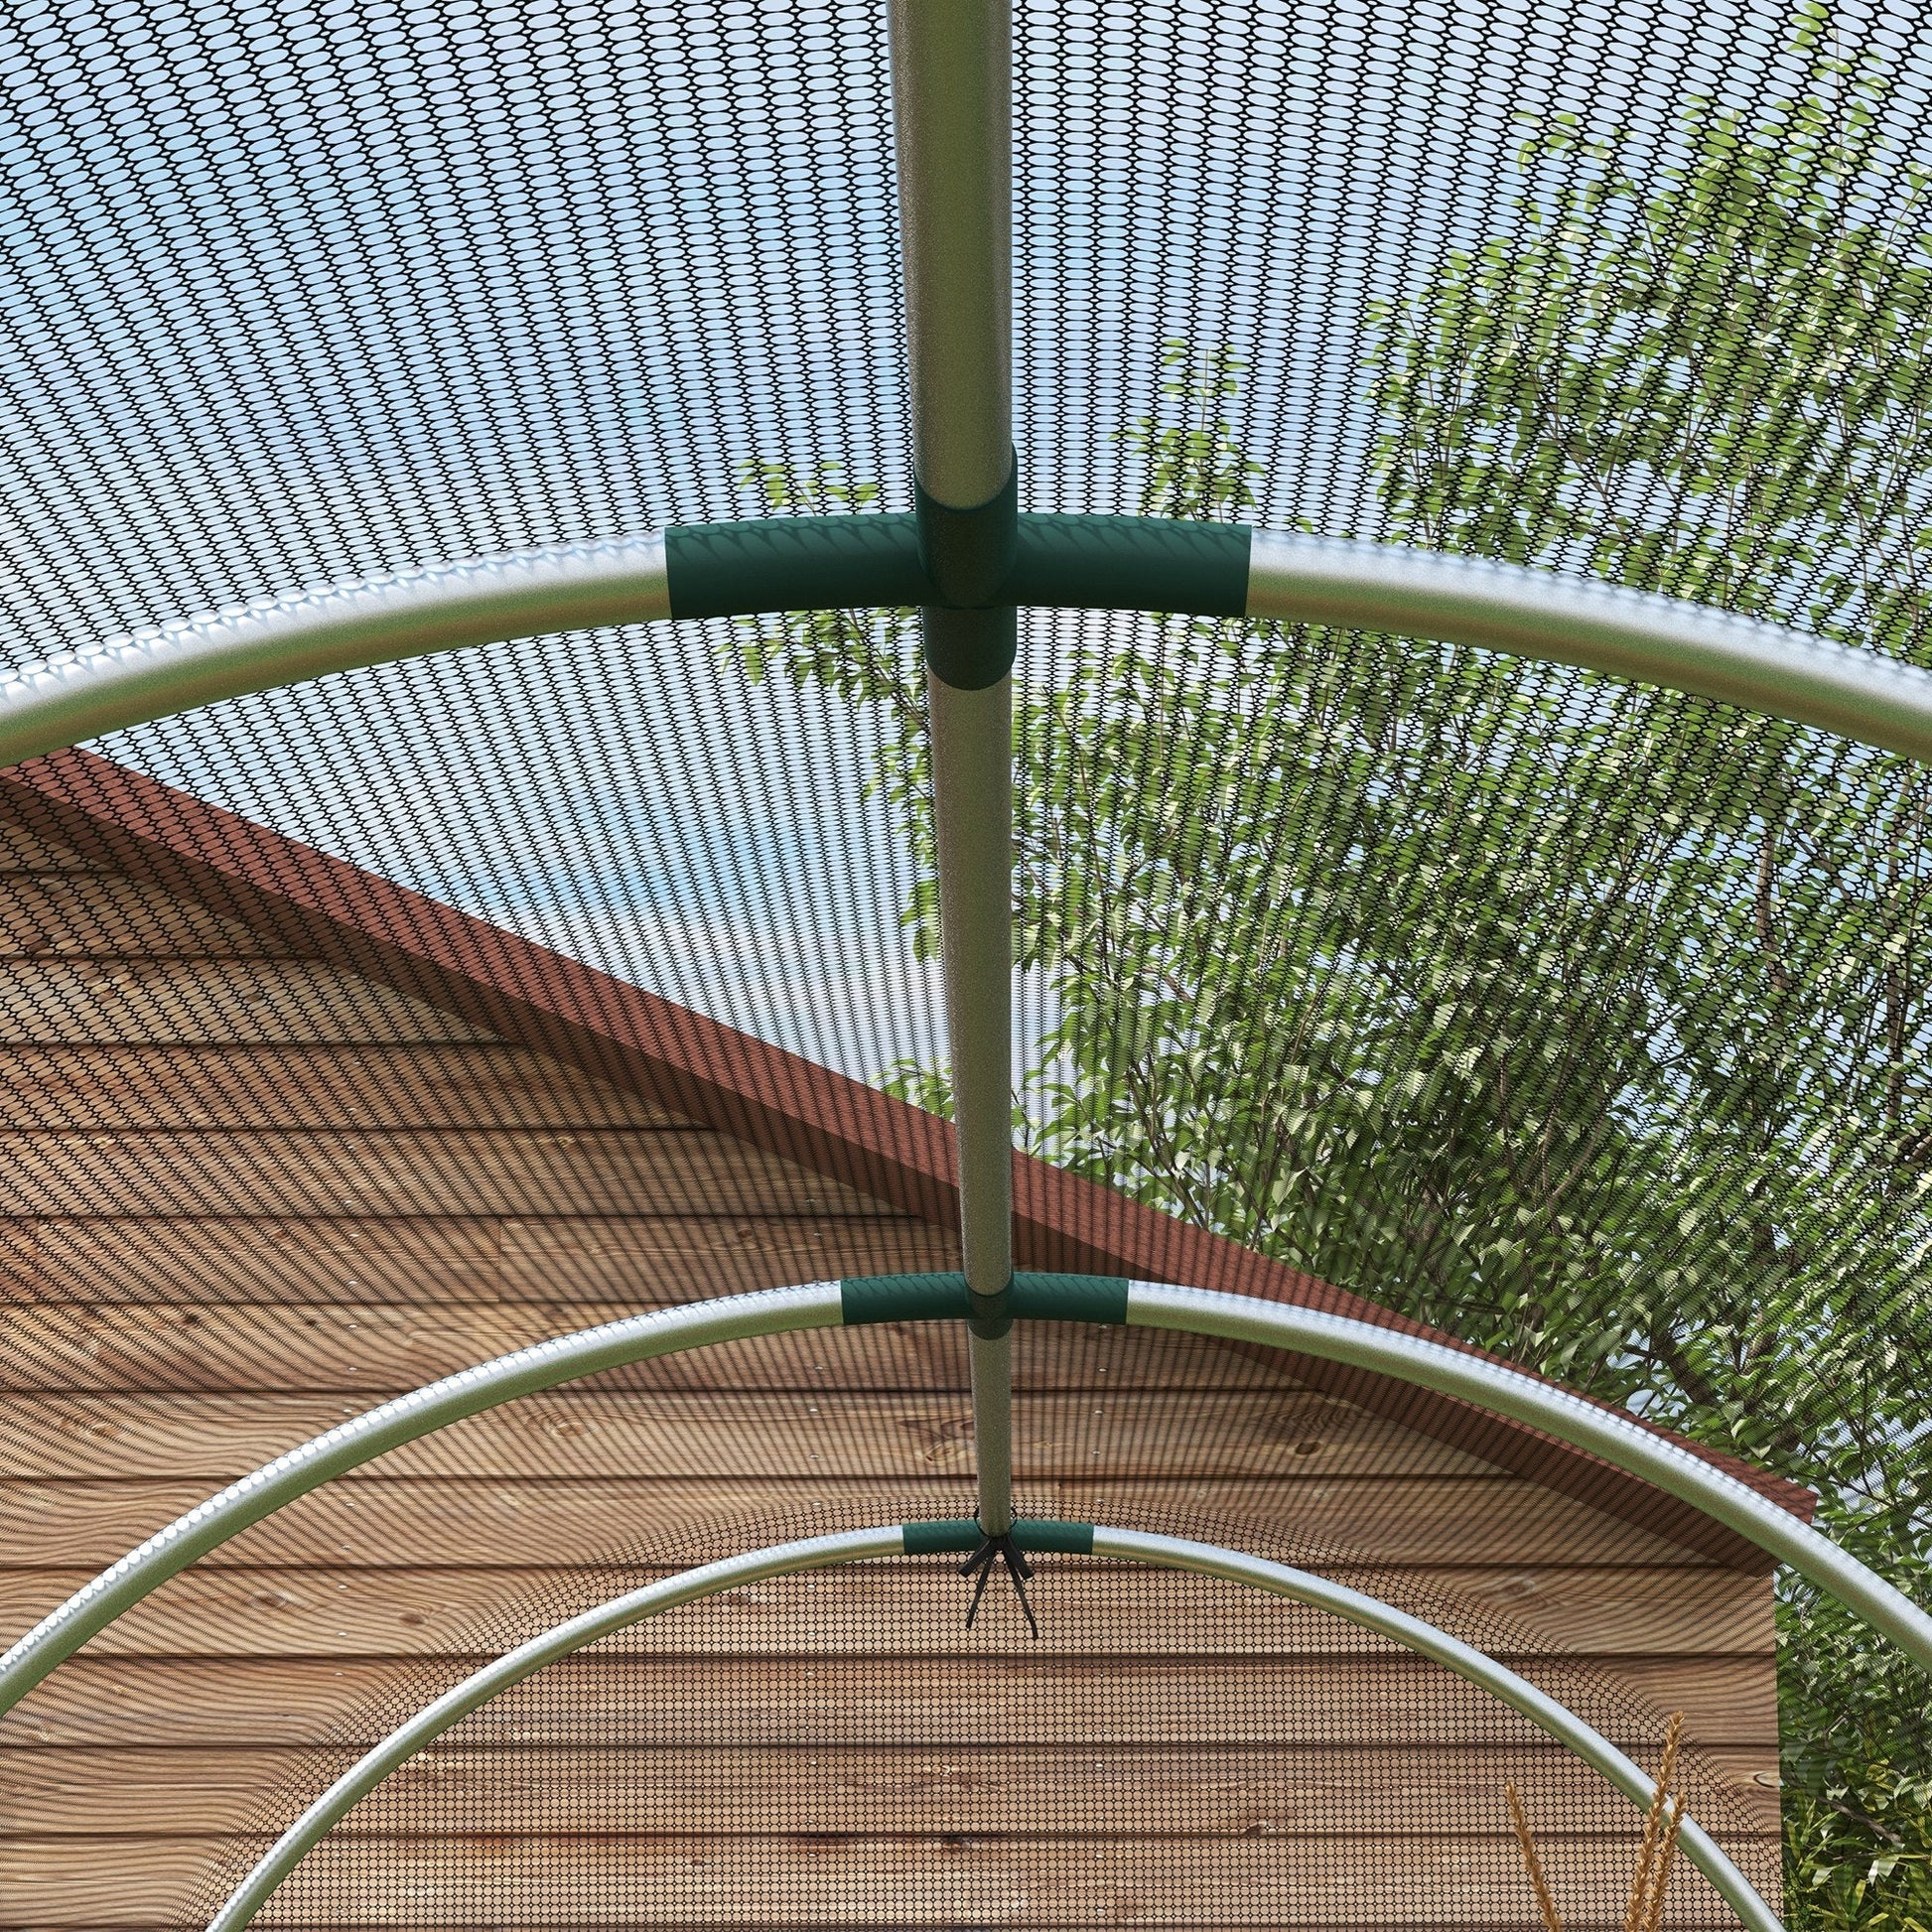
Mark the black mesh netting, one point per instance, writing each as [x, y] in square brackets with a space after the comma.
[834, 1748]
[1585, 1023]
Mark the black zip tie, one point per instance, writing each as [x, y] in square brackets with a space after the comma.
[1001, 1548]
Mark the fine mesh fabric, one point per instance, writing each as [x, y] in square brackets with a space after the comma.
[1580, 1022]
[833, 1748]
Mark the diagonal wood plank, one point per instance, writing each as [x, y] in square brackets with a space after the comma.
[162, 1002]
[450, 1171]
[361, 1348]
[23, 850]
[826, 1433]
[108, 915]
[307, 1088]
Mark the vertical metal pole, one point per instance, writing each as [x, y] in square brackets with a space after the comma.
[972, 763]
[952, 102]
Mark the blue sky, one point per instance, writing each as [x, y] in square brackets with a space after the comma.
[296, 293]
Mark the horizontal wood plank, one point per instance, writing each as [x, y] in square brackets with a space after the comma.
[341, 1611]
[357, 1260]
[385, 1523]
[392, 1521]
[385, 1350]
[447, 1171]
[575, 1254]
[903, 1881]
[1628, 1611]
[826, 1433]
[111, 1089]
[162, 1002]
[1225, 1792]
[1396, 1699]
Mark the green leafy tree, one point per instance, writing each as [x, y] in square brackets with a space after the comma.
[1585, 1021]
[1711, 380]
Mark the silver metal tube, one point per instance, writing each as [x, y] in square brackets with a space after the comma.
[1174, 1553]
[972, 760]
[456, 1704]
[952, 118]
[1469, 1663]
[971, 765]
[58, 1635]
[952, 108]
[1487, 1386]
[1541, 614]
[990, 1360]
[81, 694]
[1618, 1439]
[1529, 613]
[973, 807]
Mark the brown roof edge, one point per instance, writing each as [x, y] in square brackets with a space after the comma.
[763, 1095]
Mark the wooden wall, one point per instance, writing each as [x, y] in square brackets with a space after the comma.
[246, 1195]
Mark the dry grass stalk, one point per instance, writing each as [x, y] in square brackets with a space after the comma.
[1661, 1825]
[1654, 1914]
[1637, 1913]
[1545, 1903]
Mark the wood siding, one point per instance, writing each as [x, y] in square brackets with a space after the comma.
[247, 1193]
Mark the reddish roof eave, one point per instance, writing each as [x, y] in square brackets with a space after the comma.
[763, 1095]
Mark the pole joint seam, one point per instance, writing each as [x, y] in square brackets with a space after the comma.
[991, 1315]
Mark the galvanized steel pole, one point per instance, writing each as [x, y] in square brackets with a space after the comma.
[952, 100]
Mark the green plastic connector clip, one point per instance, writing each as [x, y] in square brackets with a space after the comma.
[945, 1297]
[960, 1535]
[904, 1298]
[968, 554]
[1070, 1297]
[971, 631]
[991, 1314]
[1133, 563]
[795, 563]
[949, 1536]
[1051, 1535]
[969, 649]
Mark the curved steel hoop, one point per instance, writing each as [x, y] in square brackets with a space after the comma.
[1095, 562]
[1545, 616]
[1487, 1385]
[1505, 1391]
[429, 1723]
[229, 653]
[566, 1358]
[280, 1861]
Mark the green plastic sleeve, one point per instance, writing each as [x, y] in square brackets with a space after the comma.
[944, 1298]
[795, 563]
[961, 1536]
[875, 561]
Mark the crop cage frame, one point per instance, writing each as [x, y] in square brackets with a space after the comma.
[968, 560]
